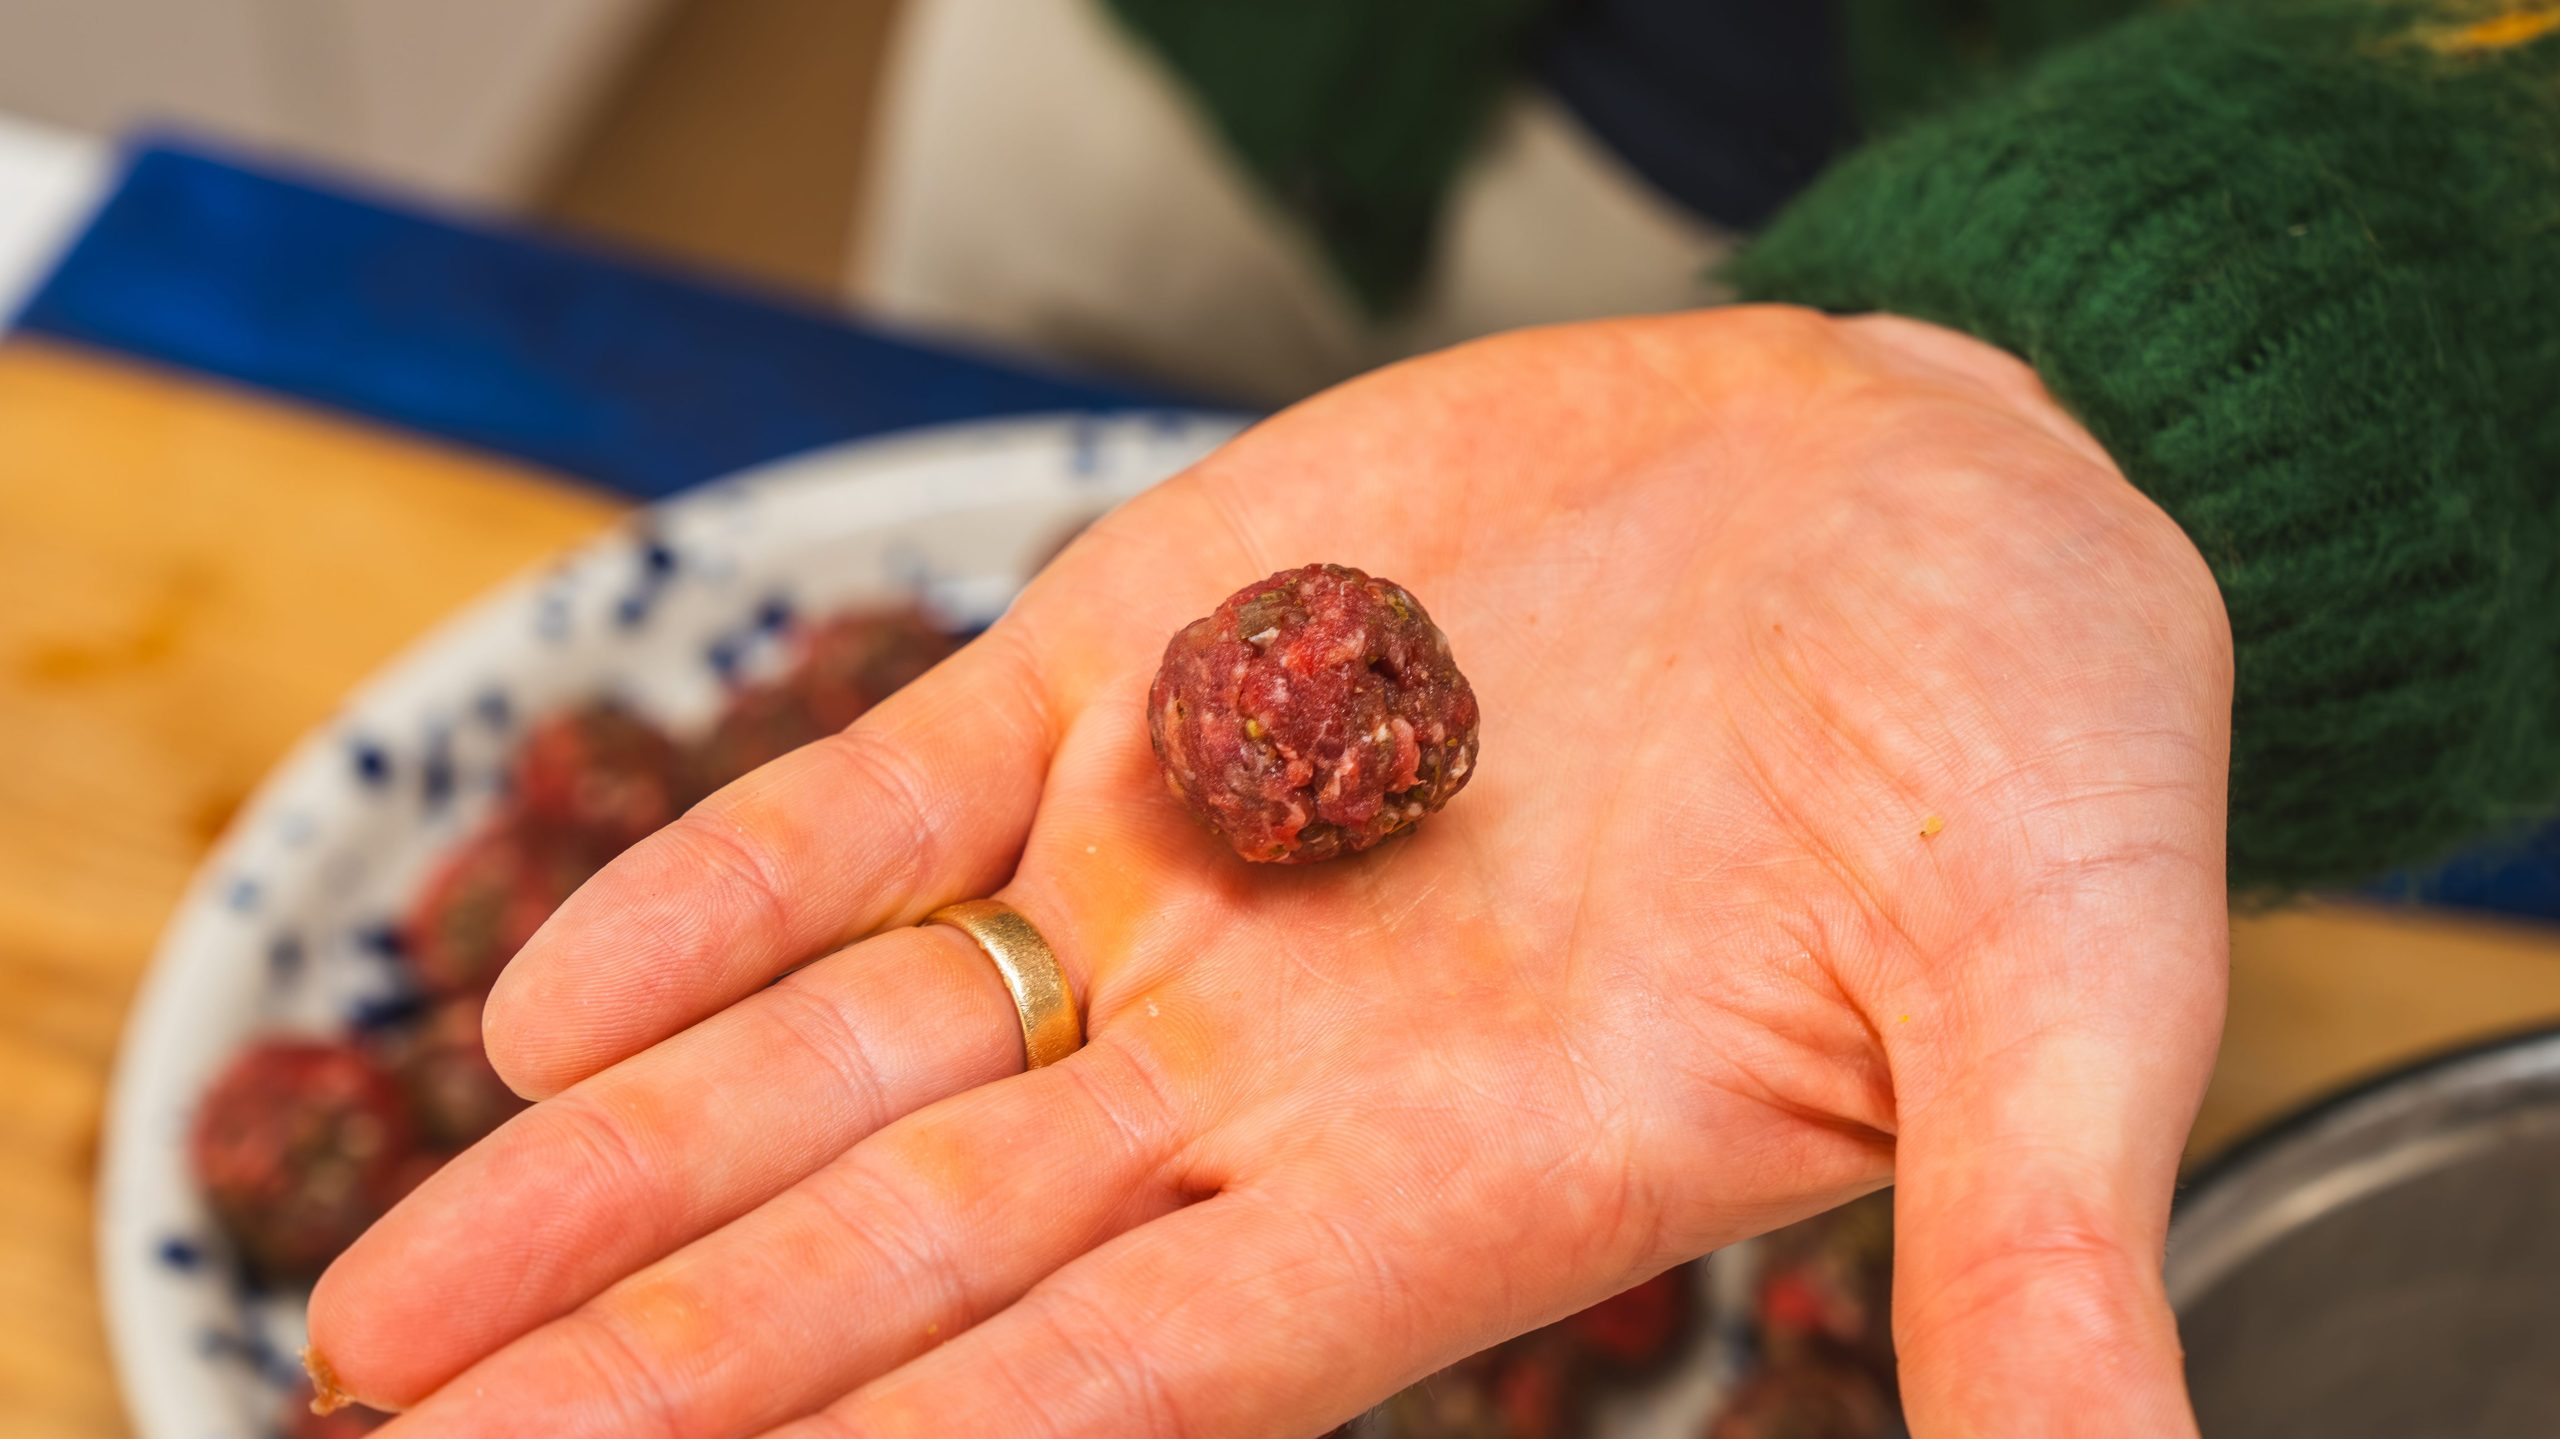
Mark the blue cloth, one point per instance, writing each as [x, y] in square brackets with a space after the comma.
[631, 376]
[2520, 879]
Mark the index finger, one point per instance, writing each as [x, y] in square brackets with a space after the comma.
[926, 800]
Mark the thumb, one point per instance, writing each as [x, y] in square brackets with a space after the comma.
[2031, 1206]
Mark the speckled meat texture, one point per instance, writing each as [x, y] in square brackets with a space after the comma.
[1806, 1399]
[1513, 1391]
[299, 1146]
[1826, 1287]
[1639, 1331]
[843, 668]
[855, 661]
[1313, 715]
[762, 723]
[599, 776]
[456, 1095]
[485, 901]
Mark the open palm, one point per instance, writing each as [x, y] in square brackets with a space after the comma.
[1850, 811]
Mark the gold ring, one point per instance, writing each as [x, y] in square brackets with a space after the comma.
[1041, 994]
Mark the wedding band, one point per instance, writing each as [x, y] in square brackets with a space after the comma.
[1041, 995]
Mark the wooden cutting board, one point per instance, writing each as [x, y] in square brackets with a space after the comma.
[191, 577]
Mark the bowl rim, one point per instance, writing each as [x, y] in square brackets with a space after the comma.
[2330, 1118]
[122, 1277]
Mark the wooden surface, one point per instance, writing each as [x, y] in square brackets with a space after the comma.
[190, 577]
[2325, 994]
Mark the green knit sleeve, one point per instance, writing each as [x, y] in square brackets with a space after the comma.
[1353, 114]
[2296, 264]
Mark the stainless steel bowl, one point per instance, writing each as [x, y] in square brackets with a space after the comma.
[2386, 1264]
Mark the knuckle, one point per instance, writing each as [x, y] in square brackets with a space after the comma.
[1011, 653]
[2061, 1271]
[893, 791]
[1372, 1284]
[868, 1208]
[1121, 1372]
[1129, 1092]
[617, 1364]
[604, 1157]
[805, 1017]
[707, 842]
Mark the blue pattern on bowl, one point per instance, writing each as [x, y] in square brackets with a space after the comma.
[297, 923]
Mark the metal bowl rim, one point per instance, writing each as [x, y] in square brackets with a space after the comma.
[2307, 1162]
[2238, 1156]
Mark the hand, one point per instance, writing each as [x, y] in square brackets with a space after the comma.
[1753, 601]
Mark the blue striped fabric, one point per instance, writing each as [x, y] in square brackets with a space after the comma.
[628, 375]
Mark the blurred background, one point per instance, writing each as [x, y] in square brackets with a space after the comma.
[730, 134]
[289, 360]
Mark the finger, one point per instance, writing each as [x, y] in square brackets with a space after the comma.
[939, 1220]
[2032, 1203]
[656, 1152]
[1243, 1315]
[923, 802]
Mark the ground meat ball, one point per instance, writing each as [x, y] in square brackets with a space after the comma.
[845, 666]
[1313, 715]
[486, 900]
[455, 1094]
[1826, 1287]
[299, 1145]
[1807, 1399]
[1515, 1391]
[763, 723]
[1544, 1383]
[855, 661]
[600, 776]
[1639, 1330]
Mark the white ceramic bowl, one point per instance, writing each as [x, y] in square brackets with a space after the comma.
[283, 927]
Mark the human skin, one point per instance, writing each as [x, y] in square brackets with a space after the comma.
[1875, 836]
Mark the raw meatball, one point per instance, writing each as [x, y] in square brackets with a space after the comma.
[486, 901]
[845, 666]
[763, 723]
[1543, 1384]
[855, 661]
[457, 1098]
[1513, 1391]
[299, 1145]
[1312, 715]
[1807, 1399]
[1639, 1330]
[599, 776]
[1826, 1287]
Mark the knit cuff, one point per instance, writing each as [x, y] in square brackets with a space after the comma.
[2296, 264]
